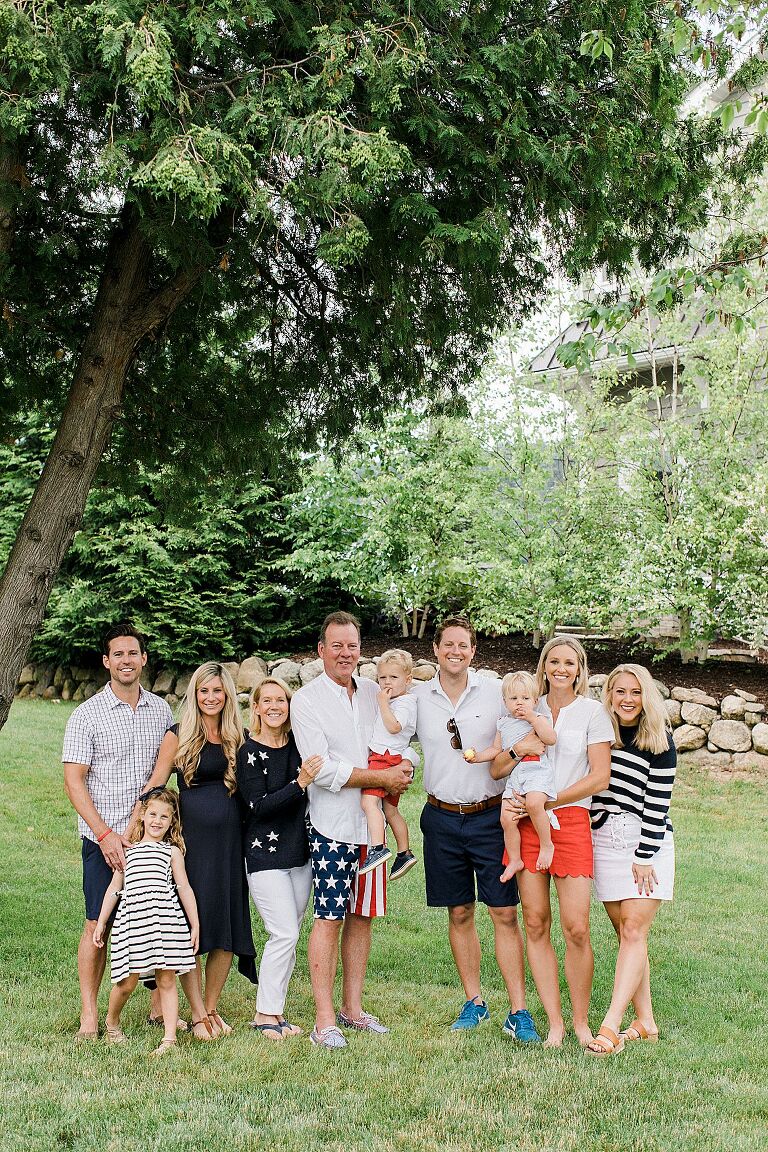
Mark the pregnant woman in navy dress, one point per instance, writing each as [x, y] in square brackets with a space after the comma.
[202, 750]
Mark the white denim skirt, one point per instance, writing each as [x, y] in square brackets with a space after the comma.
[614, 845]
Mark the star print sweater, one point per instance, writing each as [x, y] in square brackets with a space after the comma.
[275, 833]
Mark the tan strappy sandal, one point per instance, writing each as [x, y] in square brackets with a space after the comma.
[605, 1043]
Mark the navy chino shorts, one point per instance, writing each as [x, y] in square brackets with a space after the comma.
[97, 877]
[459, 850]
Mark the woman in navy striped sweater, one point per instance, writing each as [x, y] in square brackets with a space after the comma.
[633, 845]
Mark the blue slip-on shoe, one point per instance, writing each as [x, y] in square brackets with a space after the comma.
[520, 1026]
[375, 857]
[471, 1016]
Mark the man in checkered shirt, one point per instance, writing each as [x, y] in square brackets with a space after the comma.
[110, 747]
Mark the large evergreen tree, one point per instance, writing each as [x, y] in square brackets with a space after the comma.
[225, 228]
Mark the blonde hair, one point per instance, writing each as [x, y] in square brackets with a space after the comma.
[256, 696]
[653, 727]
[192, 734]
[524, 678]
[173, 835]
[399, 657]
[581, 685]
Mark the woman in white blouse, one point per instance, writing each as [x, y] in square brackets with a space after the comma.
[582, 764]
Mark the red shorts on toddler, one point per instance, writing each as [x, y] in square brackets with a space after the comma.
[377, 762]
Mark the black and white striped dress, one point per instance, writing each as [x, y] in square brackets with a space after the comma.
[150, 929]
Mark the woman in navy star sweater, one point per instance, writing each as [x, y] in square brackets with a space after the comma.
[272, 782]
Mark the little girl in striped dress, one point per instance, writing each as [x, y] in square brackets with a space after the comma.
[151, 939]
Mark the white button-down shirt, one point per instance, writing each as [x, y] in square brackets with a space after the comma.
[119, 747]
[447, 775]
[582, 722]
[327, 723]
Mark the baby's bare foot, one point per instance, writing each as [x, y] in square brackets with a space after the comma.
[545, 858]
[511, 869]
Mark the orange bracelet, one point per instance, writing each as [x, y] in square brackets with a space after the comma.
[103, 836]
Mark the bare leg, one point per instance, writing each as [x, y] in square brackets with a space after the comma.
[509, 954]
[355, 949]
[193, 990]
[169, 1003]
[217, 968]
[323, 958]
[537, 917]
[91, 962]
[574, 895]
[371, 806]
[534, 803]
[511, 842]
[635, 919]
[398, 825]
[641, 999]
[465, 946]
[118, 998]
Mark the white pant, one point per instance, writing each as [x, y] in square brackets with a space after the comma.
[281, 896]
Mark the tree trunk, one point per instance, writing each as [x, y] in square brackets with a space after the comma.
[424, 618]
[404, 623]
[123, 314]
[414, 621]
[11, 177]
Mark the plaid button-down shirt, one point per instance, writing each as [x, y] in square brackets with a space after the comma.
[119, 747]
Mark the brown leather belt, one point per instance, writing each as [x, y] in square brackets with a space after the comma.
[465, 809]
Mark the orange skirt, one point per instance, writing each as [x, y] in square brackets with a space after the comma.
[572, 842]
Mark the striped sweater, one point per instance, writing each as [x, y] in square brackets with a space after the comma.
[641, 784]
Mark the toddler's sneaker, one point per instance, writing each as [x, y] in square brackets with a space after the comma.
[520, 1026]
[374, 858]
[471, 1016]
[404, 861]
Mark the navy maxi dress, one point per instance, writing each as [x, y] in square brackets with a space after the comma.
[212, 824]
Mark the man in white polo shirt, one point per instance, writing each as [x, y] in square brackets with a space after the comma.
[463, 838]
[333, 716]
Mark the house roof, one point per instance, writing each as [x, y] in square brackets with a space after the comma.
[546, 361]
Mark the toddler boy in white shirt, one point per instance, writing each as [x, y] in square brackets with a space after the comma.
[394, 726]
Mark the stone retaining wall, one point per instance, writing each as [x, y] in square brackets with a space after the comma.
[726, 735]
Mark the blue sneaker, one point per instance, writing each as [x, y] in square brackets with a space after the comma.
[520, 1026]
[471, 1016]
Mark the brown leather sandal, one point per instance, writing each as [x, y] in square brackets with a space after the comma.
[605, 1043]
[637, 1031]
[208, 1027]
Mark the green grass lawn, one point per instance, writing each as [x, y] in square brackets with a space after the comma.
[705, 1086]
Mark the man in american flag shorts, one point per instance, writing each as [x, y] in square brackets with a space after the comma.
[333, 716]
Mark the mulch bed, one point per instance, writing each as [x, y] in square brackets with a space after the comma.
[503, 653]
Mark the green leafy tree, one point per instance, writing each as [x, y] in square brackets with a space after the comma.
[202, 582]
[556, 538]
[696, 492]
[397, 521]
[226, 228]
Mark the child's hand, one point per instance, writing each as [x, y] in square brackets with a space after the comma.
[385, 695]
[524, 711]
[194, 934]
[470, 755]
[98, 936]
